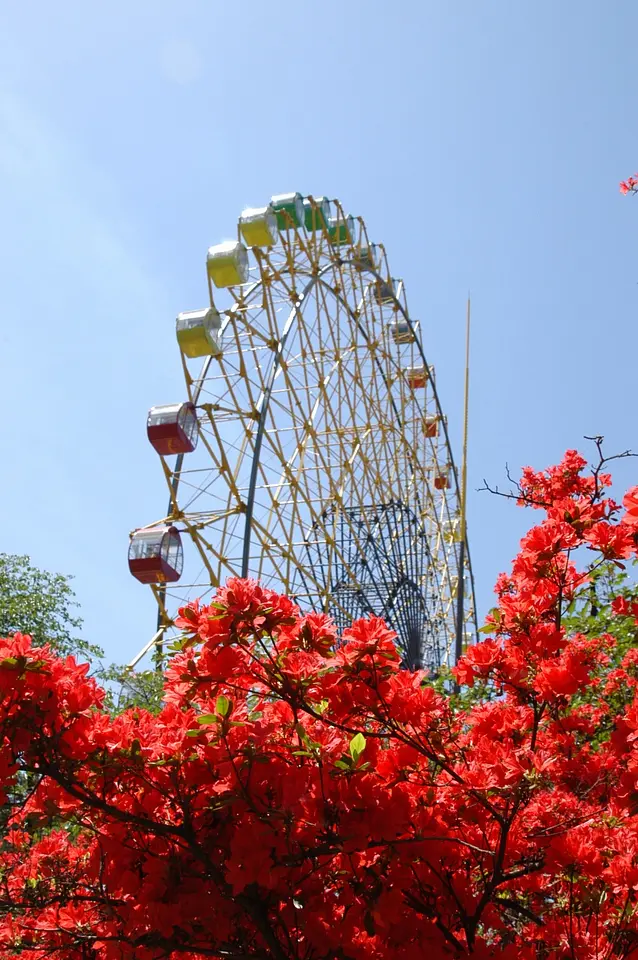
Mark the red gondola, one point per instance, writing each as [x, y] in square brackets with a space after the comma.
[431, 426]
[442, 480]
[173, 428]
[156, 555]
[417, 377]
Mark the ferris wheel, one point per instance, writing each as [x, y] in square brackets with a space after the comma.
[310, 450]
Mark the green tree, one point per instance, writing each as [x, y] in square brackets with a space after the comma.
[132, 688]
[44, 605]
[591, 611]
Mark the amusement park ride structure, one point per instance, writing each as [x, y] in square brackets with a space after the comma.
[310, 450]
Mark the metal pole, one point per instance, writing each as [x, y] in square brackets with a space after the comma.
[156, 639]
[460, 593]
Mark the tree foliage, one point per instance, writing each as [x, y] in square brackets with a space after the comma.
[300, 796]
[43, 606]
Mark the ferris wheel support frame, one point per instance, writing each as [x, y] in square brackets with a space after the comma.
[263, 404]
[342, 538]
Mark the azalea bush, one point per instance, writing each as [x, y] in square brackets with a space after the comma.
[300, 796]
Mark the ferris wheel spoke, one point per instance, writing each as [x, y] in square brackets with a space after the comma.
[368, 397]
[315, 518]
[308, 437]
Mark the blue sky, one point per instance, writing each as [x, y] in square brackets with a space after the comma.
[482, 140]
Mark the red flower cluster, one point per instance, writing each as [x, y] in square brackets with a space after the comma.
[300, 797]
[630, 185]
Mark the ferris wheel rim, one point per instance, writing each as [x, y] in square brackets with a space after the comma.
[265, 397]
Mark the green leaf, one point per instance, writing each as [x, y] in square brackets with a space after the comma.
[34, 665]
[207, 718]
[193, 733]
[222, 705]
[342, 765]
[357, 746]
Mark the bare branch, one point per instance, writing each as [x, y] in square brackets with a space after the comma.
[517, 493]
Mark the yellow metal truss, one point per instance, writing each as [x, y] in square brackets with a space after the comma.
[307, 420]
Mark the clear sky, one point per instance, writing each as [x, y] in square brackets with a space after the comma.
[482, 140]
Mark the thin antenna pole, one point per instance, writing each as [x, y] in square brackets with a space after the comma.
[465, 423]
[460, 593]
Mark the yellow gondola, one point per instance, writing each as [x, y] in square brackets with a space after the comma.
[198, 332]
[227, 263]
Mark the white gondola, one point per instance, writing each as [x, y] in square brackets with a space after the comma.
[403, 331]
[386, 291]
[367, 258]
